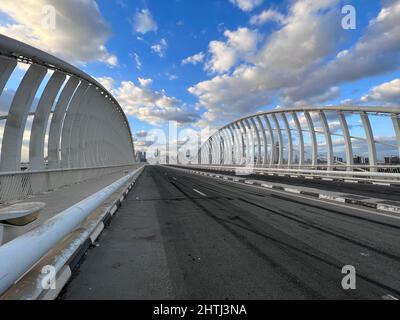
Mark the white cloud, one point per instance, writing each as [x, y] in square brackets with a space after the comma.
[267, 16]
[388, 92]
[246, 5]
[195, 59]
[172, 77]
[64, 41]
[143, 22]
[240, 44]
[377, 52]
[160, 48]
[145, 83]
[281, 63]
[138, 63]
[141, 134]
[151, 106]
[106, 82]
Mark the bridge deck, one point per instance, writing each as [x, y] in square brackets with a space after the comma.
[180, 235]
[58, 200]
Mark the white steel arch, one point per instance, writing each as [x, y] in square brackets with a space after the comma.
[246, 132]
[88, 128]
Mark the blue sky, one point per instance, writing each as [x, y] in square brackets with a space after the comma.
[251, 55]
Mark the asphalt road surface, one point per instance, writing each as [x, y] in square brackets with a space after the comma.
[184, 236]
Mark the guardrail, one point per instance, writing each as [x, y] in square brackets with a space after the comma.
[20, 185]
[371, 177]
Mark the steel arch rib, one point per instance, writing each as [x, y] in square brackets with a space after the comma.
[57, 121]
[265, 142]
[272, 138]
[313, 138]
[289, 136]
[300, 137]
[328, 138]
[39, 125]
[17, 117]
[370, 140]
[347, 140]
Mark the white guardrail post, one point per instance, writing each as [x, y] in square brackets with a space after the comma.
[21, 254]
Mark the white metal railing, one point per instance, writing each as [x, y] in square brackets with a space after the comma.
[20, 185]
[378, 177]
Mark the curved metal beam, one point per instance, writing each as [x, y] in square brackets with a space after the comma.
[313, 138]
[17, 116]
[39, 125]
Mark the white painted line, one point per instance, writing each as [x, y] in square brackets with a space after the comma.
[249, 182]
[294, 176]
[309, 178]
[389, 208]
[332, 198]
[327, 179]
[200, 193]
[381, 184]
[61, 280]
[351, 181]
[96, 233]
[113, 210]
[267, 186]
[292, 190]
[389, 297]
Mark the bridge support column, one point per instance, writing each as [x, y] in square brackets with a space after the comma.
[280, 139]
[347, 140]
[300, 138]
[328, 139]
[396, 126]
[17, 117]
[289, 136]
[254, 125]
[265, 142]
[313, 138]
[7, 67]
[271, 136]
[370, 141]
[40, 121]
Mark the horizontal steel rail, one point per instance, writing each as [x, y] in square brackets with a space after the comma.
[318, 173]
[21, 185]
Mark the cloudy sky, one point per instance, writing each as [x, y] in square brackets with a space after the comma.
[204, 63]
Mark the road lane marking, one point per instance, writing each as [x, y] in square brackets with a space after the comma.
[338, 204]
[389, 297]
[199, 192]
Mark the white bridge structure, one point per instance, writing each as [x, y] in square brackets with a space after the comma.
[81, 162]
[86, 135]
[286, 141]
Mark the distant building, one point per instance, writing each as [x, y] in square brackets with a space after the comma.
[361, 160]
[141, 156]
[394, 160]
